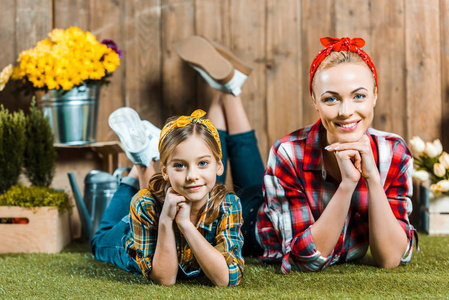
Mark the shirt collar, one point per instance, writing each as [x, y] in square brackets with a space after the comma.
[202, 220]
[313, 157]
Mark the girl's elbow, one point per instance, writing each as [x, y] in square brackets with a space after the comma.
[161, 280]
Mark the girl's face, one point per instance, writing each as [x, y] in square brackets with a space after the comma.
[345, 98]
[192, 169]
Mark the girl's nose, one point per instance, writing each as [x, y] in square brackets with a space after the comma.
[192, 175]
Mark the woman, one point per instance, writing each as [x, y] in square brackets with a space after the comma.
[337, 187]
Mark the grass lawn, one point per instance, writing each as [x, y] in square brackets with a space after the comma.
[75, 274]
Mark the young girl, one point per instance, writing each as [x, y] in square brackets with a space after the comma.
[184, 223]
[337, 187]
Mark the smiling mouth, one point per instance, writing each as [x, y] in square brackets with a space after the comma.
[193, 188]
[348, 126]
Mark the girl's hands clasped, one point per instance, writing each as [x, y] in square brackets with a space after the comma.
[171, 205]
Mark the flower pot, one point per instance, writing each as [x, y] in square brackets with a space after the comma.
[434, 212]
[72, 114]
[46, 230]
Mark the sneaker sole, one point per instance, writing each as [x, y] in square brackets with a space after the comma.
[234, 60]
[200, 53]
[129, 138]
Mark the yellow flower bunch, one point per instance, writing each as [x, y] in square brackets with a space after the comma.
[66, 59]
[432, 164]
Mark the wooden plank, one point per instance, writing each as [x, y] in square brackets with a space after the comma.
[284, 69]
[142, 53]
[317, 20]
[47, 231]
[8, 55]
[248, 36]
[444, 25]
[178, 79]
[388, 33]
[353, 19]
[69, 13]
[423, 69]
[438, 224]
[106, 22]
[211, 21]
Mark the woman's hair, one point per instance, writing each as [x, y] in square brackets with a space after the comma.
[335, 58]
[157, 186]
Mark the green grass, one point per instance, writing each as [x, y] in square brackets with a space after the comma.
[75, 274]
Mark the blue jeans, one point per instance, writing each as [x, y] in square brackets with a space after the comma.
[247, 173]
[108, 242]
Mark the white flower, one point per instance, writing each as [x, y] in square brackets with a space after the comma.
[440, 187]
[439, 170]
[444, 160]
[417, 145]
[421, 175]
[438, 146]
[5, 75]
[431, 150]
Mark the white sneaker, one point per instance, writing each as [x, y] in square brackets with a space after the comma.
[125, 122]
[153, 133]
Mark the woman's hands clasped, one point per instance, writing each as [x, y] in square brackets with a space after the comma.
[355, 159]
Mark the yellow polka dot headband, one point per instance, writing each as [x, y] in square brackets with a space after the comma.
[195, 117]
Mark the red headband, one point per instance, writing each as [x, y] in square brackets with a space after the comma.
[337, 45]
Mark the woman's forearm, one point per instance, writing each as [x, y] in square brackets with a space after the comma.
[327, 229]
[387, 239]
[165, 261]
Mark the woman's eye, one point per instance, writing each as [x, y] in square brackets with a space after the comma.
[359, 97]
[330, 100]
[178, 166]
[203, 163]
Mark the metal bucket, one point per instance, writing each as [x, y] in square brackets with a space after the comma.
[72, 114]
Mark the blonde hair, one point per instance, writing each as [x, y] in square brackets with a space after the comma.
[157, 186]
[335, 58]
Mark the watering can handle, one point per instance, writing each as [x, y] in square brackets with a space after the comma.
[118, 173]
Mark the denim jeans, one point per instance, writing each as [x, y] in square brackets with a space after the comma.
[108, 242]
[247, 173]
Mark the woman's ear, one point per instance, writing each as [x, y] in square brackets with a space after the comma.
[314, 101]
[220, 168]
[375, 97]
[164, 172]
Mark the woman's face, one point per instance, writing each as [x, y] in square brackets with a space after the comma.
[345, 98]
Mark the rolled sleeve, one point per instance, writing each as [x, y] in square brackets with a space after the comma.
[143, 228]
[229, 238]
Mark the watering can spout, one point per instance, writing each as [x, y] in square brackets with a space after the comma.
[86, 219]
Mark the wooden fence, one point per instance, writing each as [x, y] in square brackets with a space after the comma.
[408, 41]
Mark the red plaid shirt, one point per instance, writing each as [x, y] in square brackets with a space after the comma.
[297, 190]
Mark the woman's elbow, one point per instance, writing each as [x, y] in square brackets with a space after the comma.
[389, 263]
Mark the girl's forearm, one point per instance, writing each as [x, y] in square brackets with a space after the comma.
[165, 261]
[210, 259]
[387, 239]
[327, 229]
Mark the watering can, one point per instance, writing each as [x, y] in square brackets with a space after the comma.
[99, 187]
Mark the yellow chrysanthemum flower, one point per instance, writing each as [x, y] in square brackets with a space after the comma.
[111, 62]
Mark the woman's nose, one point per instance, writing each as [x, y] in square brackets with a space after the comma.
[346, 109]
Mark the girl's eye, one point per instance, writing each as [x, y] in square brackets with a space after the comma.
[178, 166]
[203, 163]
[330, 100]
[359, 97]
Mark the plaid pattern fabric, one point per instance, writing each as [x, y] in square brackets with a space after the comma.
[224, 233]
[297, 190]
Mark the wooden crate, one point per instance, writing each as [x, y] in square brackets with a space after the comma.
[47, 231]
[434, 213]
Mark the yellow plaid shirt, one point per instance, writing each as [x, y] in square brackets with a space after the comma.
[224, 233]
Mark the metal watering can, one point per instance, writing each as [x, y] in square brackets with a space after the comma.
[99, 187]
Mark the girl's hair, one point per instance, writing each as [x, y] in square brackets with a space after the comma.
[335, 58]
[157, 186]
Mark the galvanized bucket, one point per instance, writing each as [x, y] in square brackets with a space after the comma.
[72, 114]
